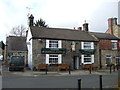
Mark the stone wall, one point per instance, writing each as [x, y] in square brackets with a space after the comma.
[67, 58]
[113, 53]
[116, 30]
[38, 58]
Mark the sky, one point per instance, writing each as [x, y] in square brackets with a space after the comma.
[57, 13]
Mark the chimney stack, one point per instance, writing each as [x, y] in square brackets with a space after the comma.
[115, 21]
[111, 22]
[78, 28]
[31, 20]
[85, 27]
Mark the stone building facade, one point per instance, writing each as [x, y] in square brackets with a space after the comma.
[76, 48]
[16, 46]
[55, 46]
[74, 58]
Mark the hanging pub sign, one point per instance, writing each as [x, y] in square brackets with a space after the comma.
[53, 50]
[73, 46]
[87, 51]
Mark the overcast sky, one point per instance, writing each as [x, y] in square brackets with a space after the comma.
[57, 13]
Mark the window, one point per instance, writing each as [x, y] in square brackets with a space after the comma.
[87, 58]
[114, 44]
[108, 59]
[53, 59]
[117, 59]
[87, 45]
[53, 44]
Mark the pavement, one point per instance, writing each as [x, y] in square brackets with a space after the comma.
[60, 73]
[28, 72]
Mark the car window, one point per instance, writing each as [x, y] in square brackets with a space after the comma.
[15, 59]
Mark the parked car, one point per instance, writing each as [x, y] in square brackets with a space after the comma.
[16, 63]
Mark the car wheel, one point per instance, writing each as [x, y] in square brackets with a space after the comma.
[9, 69]
[23, 70]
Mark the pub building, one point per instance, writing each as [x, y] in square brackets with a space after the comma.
[54, 46]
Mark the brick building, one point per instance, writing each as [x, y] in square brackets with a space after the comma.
[109, 49]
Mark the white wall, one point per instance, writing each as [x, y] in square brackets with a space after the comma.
[29, 45]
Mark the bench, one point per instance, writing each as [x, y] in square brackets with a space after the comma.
[90, 66]
[63, 67]
[42, 67]
[87, 66]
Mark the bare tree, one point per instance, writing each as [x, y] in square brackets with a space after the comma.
[18, 30]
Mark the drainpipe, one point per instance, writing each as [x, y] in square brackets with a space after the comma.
[100, 62]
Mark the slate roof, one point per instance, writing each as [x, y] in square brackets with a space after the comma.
[60, 34]
[104, 36]
[15, 43]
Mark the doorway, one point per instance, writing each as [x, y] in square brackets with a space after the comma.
[76, 62]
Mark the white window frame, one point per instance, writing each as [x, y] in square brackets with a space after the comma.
[53, 43]
[53, 57]
[91, 45]
[108, 57]
[59, 55]
[48, 44]
[83, 59]
[114, 44]
[48, 57]
[117, 57]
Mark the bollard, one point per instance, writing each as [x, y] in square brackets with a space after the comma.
[100, 82]
[90, 69]
[46, 70]
[119, 78]
[114, 68]
[69, 69]
[110, 68]
[117, 67]
[79, 84]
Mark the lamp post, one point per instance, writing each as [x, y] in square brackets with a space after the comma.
[6, 52]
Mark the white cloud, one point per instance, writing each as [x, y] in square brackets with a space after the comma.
[57, 13]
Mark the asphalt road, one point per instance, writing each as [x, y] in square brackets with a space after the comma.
[45, 81]
[88, 81]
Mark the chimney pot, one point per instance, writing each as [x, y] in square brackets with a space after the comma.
[79, 28]
[31, 20]
[85, 26]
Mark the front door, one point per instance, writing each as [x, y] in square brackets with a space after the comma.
[76, 62]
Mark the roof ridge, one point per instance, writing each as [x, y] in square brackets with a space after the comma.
[60, 28]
